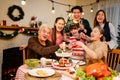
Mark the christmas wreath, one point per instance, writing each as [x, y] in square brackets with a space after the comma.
[18, 17]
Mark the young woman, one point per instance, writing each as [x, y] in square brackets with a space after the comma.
[57, 35]
[109, 29]
[96, 50]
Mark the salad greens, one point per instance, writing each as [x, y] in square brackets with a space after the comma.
[66, 50]
[32, 63]
[70, 60]
[59, 51]
[114, 74]
[80, 73]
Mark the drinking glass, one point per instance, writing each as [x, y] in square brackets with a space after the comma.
[43, 62]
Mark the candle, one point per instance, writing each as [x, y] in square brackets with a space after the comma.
[4, 22]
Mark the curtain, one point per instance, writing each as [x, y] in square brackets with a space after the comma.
[112, 9]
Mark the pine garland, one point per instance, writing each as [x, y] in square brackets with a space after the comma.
[8, 36]
[15, 33]
[30, 33]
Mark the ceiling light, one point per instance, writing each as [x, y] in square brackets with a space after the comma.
[53, 10]
[91, 10]
[23, 2]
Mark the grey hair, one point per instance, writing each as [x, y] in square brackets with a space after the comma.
[43, 26]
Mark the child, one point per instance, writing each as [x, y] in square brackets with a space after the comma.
[74, 35]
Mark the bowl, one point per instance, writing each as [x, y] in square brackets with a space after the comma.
[32, 63]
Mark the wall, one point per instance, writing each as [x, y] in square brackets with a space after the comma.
[87, 7]
[41, 9]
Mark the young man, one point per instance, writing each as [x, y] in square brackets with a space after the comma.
[83, 23]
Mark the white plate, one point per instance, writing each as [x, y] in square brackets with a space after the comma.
[82, 63]
[49, 72]
[75, 61]
[62, 68]
[63, 54]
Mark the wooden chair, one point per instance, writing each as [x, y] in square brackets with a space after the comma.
[113, 58]
[24, 54]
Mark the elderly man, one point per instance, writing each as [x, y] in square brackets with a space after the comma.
[40, 46]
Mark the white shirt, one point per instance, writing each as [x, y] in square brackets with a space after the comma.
[113, 42]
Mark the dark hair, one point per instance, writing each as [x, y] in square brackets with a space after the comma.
[74, 26]
[77, 7]
[95, 20]
[54, 30]
[101, 32]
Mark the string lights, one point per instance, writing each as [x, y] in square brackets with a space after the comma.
[69, 12]
[23, 2]
[53, 9]
[91, 10]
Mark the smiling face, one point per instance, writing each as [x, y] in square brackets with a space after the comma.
[77, 14]
[60, 25]
[100, 17]
[43, 33]
[74, 31]
[96, 34]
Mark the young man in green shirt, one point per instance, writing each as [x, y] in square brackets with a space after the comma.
[84, 25]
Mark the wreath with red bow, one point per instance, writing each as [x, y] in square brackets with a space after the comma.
[18, 17]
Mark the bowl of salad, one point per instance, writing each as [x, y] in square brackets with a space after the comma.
[32, 63]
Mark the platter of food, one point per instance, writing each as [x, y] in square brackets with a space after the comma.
[63, 53]
[63, 63]
[41, 72]
[96, 71]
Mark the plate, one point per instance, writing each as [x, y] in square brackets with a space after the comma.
[82, 63]
[43, 72]
[67, 66]
[63, 54]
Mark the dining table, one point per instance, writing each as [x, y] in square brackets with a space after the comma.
[60, 74]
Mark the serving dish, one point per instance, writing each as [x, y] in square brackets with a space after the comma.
[41, 72]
